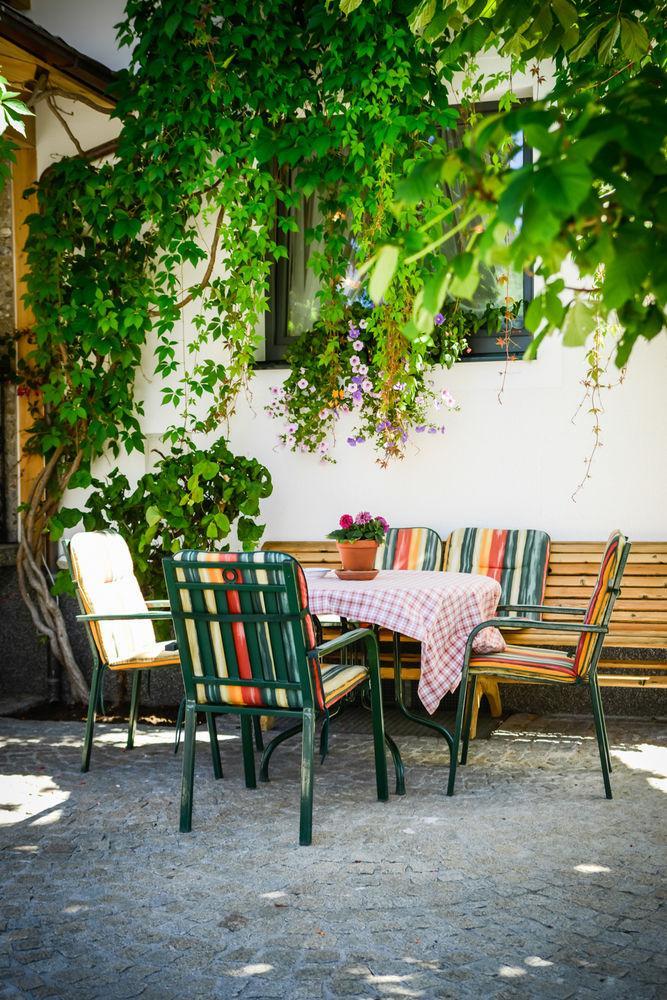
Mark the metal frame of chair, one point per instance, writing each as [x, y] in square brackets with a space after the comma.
[598, 629]
[277, 606]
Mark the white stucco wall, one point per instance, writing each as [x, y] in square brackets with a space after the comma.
[510, 464]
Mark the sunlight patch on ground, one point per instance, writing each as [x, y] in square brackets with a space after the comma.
[646, 757]
[511, 971]
[535, 962]
[23, 796]
[591, 869]
[258, 969]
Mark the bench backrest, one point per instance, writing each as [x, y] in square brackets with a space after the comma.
[310, 554]
[572, 572]
[642, 604]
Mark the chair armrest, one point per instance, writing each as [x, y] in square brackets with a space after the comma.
[543, 608]
[504, 623]
[346, 639]
[154, 605]
[137, 616]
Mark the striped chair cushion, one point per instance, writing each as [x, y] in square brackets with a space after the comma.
[254, 650]
[516, 558]
[526, 662]
[340, 678]
[599, 602]
[103, 571]
[410, 548]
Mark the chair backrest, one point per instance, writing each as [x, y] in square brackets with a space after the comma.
[410, 548]
[243, 628]
[102, 570]
[601, 605]
[516, 558]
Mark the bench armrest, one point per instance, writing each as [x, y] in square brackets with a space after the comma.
[137, 616]
[545, 608]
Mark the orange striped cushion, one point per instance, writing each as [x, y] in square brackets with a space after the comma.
[527, 662]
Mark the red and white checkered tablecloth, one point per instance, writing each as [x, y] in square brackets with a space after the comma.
[438, 609]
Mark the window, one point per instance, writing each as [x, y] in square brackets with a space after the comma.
[293, 302]
[495, 285]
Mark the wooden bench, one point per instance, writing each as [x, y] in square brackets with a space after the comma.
[639, 621]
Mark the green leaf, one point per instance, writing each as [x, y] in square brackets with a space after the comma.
[587, 42]
[347, 6]
[421, 181]
[609, 41]
[421, 16]
[579, 324]
[383, 271]
[565, 12]
[634, 39]
[563, 186]
[153, 515]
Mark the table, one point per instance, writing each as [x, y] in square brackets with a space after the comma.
[439, 610]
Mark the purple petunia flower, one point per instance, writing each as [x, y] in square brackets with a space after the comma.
[431, 140]
[363, 369]
[355, 360]
[367, 385]
[352, 442]
[358, 345]
[302, 383]
[363, 517]
[438, 319]
[362, 324]
[383, 524]
[421, 428]
[357, 397]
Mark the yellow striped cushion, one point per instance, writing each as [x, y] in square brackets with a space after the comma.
[340, 678]
[527, 662]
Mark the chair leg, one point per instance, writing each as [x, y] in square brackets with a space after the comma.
[248, 752]
[179, 724]
[604, 724]
[134, 709]
[381, 779]
[188, 778]
[324, 739]
[399, 770]
[95, 684]
[599, 732]
[463, 690]
[257, 727]
[472, 704]
[215, 746]
[307, 755]
[492, 691]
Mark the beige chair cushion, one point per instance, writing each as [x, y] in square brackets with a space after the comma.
[103, 570]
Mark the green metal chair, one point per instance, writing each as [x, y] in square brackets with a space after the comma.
[247, 643]
[532, 665]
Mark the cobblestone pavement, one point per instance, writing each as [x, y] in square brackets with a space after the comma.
[528, 883]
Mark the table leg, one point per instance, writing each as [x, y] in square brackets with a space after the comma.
[398, 694]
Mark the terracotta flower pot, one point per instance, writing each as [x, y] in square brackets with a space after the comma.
[358, 556]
